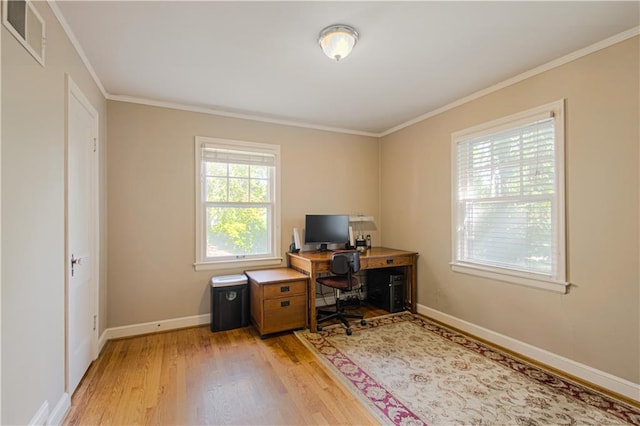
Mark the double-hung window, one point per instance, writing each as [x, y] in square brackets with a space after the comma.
[237, 211]
[508, 199]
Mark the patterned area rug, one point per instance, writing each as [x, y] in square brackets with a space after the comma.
[411, 371]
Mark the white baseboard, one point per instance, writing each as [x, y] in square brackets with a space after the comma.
[60, 410]
[329, 299]
[600, 378]
[152, 327]
[40, 417]
[102, 341]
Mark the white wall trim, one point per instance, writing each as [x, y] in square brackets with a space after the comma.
[60, 410]
[259, 118]
[40, 417]
[102, 340]
[74, 42]
[603, 44]
[0, 228]
[520, 77]
[576, 369]
[73, 91]
[327, 300]
[155, 326]
[600, 378]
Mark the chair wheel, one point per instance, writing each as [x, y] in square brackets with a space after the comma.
[319, 328]
[349, 332]
[363, 322]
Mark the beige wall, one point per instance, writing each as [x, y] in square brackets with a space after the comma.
[152, 206]
[598, 322]
[403, 181]
[33, 141]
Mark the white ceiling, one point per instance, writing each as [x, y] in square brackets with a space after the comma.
[262, 59]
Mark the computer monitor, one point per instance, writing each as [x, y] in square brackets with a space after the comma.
[324, 229]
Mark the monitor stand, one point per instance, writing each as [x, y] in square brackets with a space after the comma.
[323, 248]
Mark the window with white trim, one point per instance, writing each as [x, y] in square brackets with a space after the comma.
[508, 199]
[237, 211]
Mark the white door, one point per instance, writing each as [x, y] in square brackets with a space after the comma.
[81, 218]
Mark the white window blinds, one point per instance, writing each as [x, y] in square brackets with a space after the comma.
[221, 155]
[506, 196]
[237, 203]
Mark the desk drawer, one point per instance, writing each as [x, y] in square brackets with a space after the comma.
[382, 262]
[284, 313]
[284, 289]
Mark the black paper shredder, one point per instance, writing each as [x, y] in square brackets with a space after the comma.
[229, 302]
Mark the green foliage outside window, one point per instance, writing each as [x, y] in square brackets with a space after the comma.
[501, 228]
[237, 231]
[238, 211]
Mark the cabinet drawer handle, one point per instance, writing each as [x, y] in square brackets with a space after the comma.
[284, 303]
[390, 261]
[284, 289]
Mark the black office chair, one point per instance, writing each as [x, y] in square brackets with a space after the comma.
[343, 265]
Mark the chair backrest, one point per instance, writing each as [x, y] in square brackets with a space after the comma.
[345, 263]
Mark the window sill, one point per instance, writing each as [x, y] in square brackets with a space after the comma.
[237, 264]
[513, 277]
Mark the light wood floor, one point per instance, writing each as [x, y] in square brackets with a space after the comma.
[194, 376]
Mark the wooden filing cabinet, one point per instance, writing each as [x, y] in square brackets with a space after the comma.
[278, 299]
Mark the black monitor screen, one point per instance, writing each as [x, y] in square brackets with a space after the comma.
[326, 229]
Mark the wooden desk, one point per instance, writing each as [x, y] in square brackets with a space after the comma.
[313, 263]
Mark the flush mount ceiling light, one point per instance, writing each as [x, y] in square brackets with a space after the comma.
[337, 41]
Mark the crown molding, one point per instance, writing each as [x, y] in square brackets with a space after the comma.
[603, 44]
[53, 4]
[541, 356]
[520, 77]
[212, 111]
